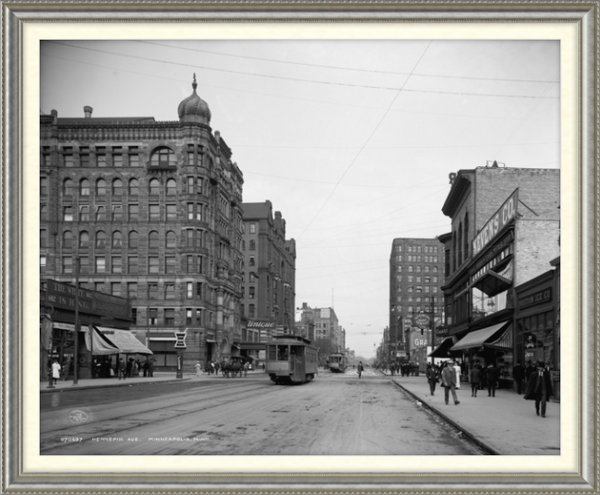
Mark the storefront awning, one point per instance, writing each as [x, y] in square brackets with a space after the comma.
[63, 326]
[124, 340]
[504, 342]
[493, 283]
[479, 337]
[98, 344]
[443, 349]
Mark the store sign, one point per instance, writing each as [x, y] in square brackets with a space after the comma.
[61, 295]
[495, 224]
[417, 340]
[422, 321]
[442, 331]
[540, 297]
[260, 324]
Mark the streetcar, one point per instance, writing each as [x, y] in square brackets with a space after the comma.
[291, 359]
[337, 362]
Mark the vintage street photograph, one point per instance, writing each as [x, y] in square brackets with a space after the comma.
[300, 247]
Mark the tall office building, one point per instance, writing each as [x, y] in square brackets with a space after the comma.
[152, 211]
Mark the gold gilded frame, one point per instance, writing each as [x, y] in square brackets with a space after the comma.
[18, 16]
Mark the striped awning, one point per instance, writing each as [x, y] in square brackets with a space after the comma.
[478, 338]
[124, 340]
[504, 342]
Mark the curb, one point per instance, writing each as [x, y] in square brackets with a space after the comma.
[486, 448]
[124, 384]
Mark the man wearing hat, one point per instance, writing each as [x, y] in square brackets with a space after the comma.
[449, 382]
[539, 388]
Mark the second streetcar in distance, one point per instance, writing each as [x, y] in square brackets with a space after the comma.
[337, 362]
[291, 359]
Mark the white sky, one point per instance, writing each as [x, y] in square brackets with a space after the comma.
[352, 141]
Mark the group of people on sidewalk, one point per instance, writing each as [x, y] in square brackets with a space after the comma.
[538, 382]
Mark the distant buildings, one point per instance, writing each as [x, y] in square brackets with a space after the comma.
[153, 212]
[268, 293]
[322, 324]
[416, 299]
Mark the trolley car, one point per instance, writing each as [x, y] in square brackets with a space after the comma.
[291, 359]
[337, 362]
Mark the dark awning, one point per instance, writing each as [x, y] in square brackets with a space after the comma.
[504, 342]
[443, 349]
[479, 337]
[492, 283]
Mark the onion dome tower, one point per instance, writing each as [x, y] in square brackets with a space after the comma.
[194, 109]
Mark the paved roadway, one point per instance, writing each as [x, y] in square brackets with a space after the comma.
[336, 414]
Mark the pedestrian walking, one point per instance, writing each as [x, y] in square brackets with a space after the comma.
[519, 376]
[359, 369]
[449, 382]
[198, 368]
[491, 377]
[539, 388]
[151, 367]
[529, 370]
[55, 371]
[458, 372]
[432, 377]
[475, 379]
[121, 367]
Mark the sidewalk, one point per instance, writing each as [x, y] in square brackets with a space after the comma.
[88, 383]
[504, 425]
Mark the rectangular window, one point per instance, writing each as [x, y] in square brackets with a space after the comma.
[84, 213]
[253, 228]
[134, 213]
[100, 214]
[132, 290]
[188, 316]
[99, 286]
[154, 212]
[115, 289]
[43, 238]
[169, 317]
[200, 261]
[67, 264]
[171, 212]
[251, 292]
[68, 213]
[43, 186]
[117, 213]
[190, 211]
[189, 265]
[199, 289]
[117, 157]
[43, 261]
[84, 156]
[100, 264]
[132, 264]
[190, 185]
[152, 291]
[84, 264]
[189, 236]
[101, 156]
[189, 290]
[152, 316]
[134, 157]
[199, 212]
[153, 264]
[169, 264]
[68, 158]
[117, 264]
[169, 291]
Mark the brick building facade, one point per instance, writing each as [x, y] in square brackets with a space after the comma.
[505, 231]
[152, 210]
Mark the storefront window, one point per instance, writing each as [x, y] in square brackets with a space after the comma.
[538, 337]
[483, 305]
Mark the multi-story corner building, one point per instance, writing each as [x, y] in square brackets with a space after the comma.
[152, 211]
[505, 231]
[269, 273]
[322, 323]
[416, 298]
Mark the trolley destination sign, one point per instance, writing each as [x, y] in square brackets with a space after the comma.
[63, 296]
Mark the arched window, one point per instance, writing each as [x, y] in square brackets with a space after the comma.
[67, 239]
[154, 187]
[68, 186]
[133, 239]
[100, 239]
[117, 239]
[153, 239]
[100, 187]
[162, 157]
[117, 187]
[84, 239]
[170, 239]
[171, 187]
[84, 187]
[133, 187]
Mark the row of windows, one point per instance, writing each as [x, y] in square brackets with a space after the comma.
[418, 269]
[419, 288]
[412, 278]
[115, 213]
[166, 317]
[425, 299]
[191, 265]
[420, 249]
[417, 258]
[193, 238]
[116, 187]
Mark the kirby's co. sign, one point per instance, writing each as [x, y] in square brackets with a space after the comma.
[495, 224]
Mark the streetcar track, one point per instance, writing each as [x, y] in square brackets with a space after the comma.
[178, 414]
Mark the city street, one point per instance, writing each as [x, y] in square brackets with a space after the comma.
[336, 414]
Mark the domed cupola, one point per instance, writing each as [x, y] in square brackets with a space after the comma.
[193, 108]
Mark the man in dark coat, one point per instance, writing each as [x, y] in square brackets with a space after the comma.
[432, 377]
[529, 370]
[539, 388]
[519, 376]
[449, 382]
[491, 378]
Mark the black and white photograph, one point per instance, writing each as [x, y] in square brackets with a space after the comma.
[300, 247]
